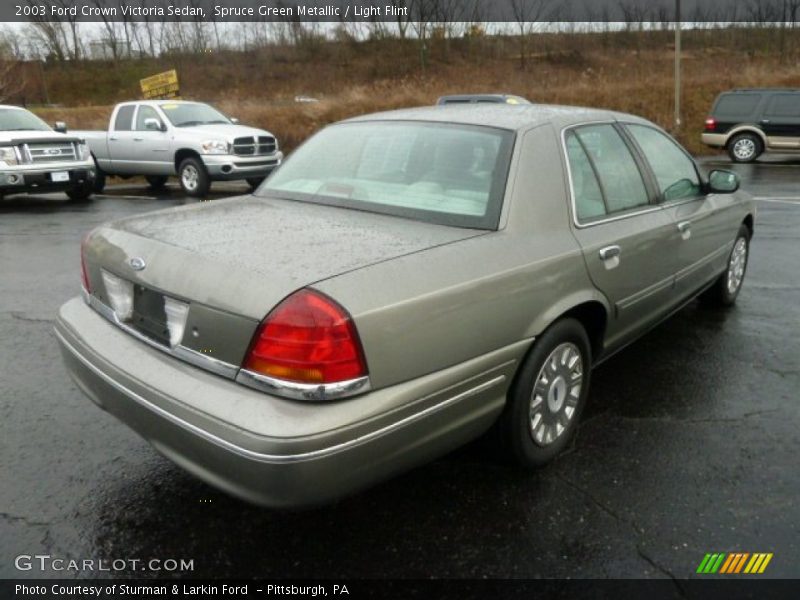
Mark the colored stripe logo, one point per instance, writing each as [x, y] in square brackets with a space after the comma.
[734, 563]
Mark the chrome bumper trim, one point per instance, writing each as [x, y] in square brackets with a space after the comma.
[207, 363]
[303, 391]
[278, 458]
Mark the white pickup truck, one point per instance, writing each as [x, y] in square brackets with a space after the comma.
[35, 158]
[196, 142]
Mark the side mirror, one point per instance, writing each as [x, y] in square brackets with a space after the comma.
[60, 127]
[234, 120]
[152, 124]
[722, 182]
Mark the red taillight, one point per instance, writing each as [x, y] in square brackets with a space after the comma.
[84, 272]
[307, 338]
[711, 124]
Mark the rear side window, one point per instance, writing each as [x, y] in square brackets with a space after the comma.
[589, 203]
[736, 105]
[675, 173]
[124, 120]
[784, 105]
[619, 177]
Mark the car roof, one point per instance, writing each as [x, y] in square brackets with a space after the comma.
[503, 116]
[162, 101]
[12, 106]
[760, 91]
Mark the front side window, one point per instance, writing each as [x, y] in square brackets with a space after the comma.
[434, 172]
[784, 105]
[675, 172]
[145, 112]
[619, 176]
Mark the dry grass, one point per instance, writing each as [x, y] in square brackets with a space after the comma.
[611, 71]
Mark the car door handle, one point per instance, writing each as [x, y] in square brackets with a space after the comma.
[609, 252]
[112, 139]
[138, 139]
[610, 257]
[685, 228]
[765, 121]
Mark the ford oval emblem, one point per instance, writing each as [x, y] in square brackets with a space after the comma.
[137, 263]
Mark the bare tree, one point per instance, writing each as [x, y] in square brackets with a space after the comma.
[526, 14]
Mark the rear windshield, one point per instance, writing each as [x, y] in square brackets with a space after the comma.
[438, 173]
[736, 105]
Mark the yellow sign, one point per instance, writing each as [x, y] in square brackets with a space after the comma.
[161, 86]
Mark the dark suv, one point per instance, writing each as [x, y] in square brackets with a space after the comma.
[749, 122]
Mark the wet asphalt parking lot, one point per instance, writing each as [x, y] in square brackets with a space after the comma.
[689, 445]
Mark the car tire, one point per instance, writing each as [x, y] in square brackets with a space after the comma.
[194, 178]
[81, 192]
[254, 182]
[546, 400]
[726, 288]
[745, 147]
[156, 182]
[99, 182]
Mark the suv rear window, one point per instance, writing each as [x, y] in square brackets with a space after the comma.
[736, 105]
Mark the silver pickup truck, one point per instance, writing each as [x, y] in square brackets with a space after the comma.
[35, 158]
[196, 142]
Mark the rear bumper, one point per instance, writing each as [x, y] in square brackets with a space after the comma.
[268, 450]
[224, 167]
[715, 140]
[24, 180]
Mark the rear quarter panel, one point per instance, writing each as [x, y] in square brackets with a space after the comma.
[427, 311]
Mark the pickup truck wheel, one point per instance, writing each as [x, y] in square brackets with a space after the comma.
[547, 397]
[727, 287]
[194, 177]
[156, 182]
[81, 192]
[254, 182]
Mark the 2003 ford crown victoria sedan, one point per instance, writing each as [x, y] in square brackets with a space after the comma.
[403, 283]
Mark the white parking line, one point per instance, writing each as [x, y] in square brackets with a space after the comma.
[779, 200]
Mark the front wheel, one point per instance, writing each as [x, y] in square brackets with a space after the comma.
[548, 395]
[727, 287]
[99, 182]
[81, 192]
[254, 182]
[194, 177]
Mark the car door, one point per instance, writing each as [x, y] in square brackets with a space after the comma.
[627, 240]
[120, 141]
[702, 231]
[781, 121]
[152, 146]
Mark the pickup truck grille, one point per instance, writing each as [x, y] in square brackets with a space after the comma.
[49, 153]
[254, 146]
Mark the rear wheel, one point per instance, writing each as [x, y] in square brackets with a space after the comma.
[727, 287]
[254, 182]
[156, 182]
[194, 177]
[548, 395]
[745, 147]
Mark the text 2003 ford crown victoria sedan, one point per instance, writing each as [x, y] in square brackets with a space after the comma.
[402, 284]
